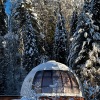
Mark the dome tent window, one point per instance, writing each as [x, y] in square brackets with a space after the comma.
[52, 80]
[63, 82]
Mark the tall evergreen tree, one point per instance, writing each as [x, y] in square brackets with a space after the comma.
[87, 5]
[31, 53]
[73, 24]
[25, 25]
[14, 70]
[95, 4]
[3, 30]
[60, 40]
[84, 54]
[3, 16]
[18, 25]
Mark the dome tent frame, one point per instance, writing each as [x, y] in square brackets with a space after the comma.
[27, 90]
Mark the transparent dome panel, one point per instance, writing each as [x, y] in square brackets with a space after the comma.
[55, 81]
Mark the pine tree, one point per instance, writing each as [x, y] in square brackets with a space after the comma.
[87, 5]
[31, 53]
[18, 25]
[13, 70]
[47, 20]
[95, 4]
[11, 51]
[3, 16]
[3, 30]
[73, 24]
[84, 54]
[60, 40]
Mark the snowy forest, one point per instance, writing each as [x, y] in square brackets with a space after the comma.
[36, 31]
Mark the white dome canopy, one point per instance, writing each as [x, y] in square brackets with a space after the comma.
[27, 87]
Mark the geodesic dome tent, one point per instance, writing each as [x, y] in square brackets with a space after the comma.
[52, 79]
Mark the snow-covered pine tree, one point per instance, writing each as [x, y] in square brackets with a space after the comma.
[3, 30]
[87, 5]
[25, 25]
[3, 16]
[13, 70]
[95, 4]
[60, 50]
[47, 19]
[84, 54]
[73, 23]
[18, 25]
[31, 54]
